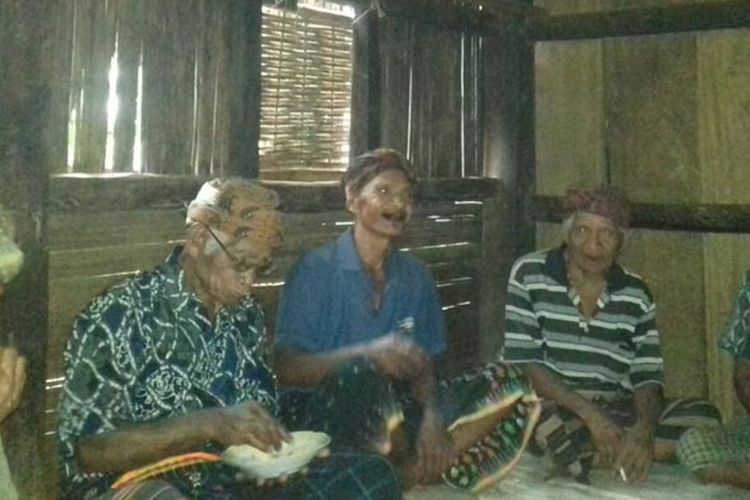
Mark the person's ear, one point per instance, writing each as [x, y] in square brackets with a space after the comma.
[351, 200]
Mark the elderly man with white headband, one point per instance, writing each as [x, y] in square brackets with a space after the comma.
[584, 330]
[12, 365]
[173, 361]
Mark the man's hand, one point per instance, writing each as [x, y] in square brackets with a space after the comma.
[397, 356]
[247, 423]
[12, 380]
[435, 451]
[636, 454]
[607, 437]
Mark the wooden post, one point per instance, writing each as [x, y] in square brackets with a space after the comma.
[243, 47]
[26, 30]
[364, 133]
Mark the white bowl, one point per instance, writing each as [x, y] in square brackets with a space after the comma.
[290, 458]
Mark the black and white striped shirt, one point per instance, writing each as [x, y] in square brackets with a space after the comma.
[613, 351]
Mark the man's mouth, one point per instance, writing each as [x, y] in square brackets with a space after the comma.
[395, 217]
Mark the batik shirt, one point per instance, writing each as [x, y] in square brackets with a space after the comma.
[736, 337]
[147, 350]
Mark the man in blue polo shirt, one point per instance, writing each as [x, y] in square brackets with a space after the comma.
[583, 328]
[360, 334]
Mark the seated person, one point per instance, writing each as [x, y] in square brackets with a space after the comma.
[583, 328]
[717, 455]
[360, 336]
[12, 365]
[174, 361]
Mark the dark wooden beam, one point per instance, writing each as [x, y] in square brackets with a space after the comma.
[706, 218]
[364, 133]
[644, 21]
[77, 194]
[243, 43]
[490, 17]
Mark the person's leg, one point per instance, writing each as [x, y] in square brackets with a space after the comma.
[717, 456]
[680, 415]
[567, 440]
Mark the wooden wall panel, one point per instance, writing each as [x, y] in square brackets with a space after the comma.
[672, 264]
[724, 115]
[651, 117]
[569, 115]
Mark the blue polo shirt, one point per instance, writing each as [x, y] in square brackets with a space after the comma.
[326, 301]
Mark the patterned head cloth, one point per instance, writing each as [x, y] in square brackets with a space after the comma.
[369, 165]
[245, 212]
[607, 201]
[11, 258]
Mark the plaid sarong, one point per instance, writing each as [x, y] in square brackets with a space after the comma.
[568, 441]
[701, 448]
[359, 408]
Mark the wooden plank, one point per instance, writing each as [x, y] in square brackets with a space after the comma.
[364, 133]
[651, 121]
[702, 217]
[462, 325]
[723, 123]
[569, 140]
[396, 55]
[678, 289]
[130, 17]
[646, 21]
[76, 194]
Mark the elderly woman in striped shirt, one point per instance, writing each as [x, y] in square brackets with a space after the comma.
[583, 329]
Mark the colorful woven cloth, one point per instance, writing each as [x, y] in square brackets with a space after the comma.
[701, 448]
[359, 408]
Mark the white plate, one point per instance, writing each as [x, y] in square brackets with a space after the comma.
[290, 458]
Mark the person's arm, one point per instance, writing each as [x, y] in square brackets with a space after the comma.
[646, 374]
[637, 451]
[133, 446]
[12, 380]
[396, 356]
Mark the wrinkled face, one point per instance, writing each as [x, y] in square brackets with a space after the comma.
[235, 259]
[384, 205]
[594, 243]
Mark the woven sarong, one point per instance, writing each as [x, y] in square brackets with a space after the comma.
[358, 408]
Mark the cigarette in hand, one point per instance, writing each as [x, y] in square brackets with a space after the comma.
[623, 476]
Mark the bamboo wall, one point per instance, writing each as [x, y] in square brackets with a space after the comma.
[666, 117]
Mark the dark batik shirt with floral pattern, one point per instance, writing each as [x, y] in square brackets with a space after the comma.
[147, 350]
[736, 337]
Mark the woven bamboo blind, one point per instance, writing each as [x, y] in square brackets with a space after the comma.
[306, 94]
